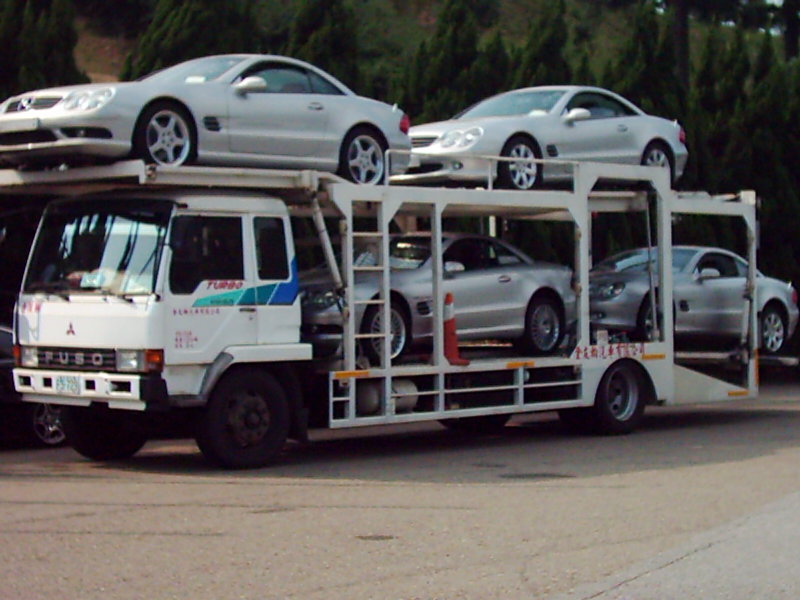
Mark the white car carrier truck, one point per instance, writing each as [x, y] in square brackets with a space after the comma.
[179, 305]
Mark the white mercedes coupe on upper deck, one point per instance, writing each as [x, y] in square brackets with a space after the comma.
[559, 123]
[237, 110]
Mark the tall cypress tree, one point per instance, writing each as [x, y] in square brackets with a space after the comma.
[323, 33]
[542, 61]
[184, 29]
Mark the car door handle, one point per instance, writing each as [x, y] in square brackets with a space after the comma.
[622, 128]
[315, 106]
[247, 309]
[504, 279]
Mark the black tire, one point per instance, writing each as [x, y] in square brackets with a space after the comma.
[619, 402]
[101, 434]
[165, 134]
[644, 321]
[544, 326]
[487, 424]
[658, 154]
[401, 338]
[772, 329]
[45, 425]
[246, 422]
[362, 157]
[519, 175]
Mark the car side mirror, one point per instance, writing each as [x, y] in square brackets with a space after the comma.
[451, 267]
[709, 273]
[251, 85]
[577, 114]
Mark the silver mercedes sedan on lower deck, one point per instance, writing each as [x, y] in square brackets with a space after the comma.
[498, 292]
[244, 110]
[709, 285]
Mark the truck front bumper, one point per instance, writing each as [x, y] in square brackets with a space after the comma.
[78, 388]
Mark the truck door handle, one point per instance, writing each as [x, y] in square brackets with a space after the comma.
[315, 106]
[503, 279]
[248, 309]
[622, 128]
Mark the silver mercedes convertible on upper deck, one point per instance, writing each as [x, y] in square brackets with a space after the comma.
[237, 110]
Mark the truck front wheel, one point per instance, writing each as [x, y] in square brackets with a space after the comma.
[246, 421]
[101, 434]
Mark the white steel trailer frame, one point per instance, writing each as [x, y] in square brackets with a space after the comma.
[517, 384]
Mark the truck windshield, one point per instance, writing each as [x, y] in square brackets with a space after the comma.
[99, 246]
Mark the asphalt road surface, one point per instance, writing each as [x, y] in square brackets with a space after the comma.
[701, 502]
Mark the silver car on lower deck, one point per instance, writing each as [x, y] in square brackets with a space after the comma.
[709, 285]
[499, 293]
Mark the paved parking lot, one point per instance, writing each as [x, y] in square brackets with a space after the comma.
[408, 512]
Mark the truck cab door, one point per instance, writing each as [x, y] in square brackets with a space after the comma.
[205, 289]
[276, 286]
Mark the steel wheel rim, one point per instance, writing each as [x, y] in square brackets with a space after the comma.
[545, 327]
[168, 139]
[623, 394]
[397, 330]
[365, 160]
[523, 172]
[248, 418]
[772, 332]
[47, 424]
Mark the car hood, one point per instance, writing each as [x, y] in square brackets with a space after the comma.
[66, 89]
[441, 127]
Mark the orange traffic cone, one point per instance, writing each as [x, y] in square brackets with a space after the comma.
[450, 338]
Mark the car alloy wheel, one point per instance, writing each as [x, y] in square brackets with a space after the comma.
[365, 161]
[47, 425]
[168, 138]
[773, 331]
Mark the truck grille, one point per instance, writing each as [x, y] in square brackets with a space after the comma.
[78, 359]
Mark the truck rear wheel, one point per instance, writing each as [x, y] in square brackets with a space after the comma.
[101, 434]
[246, 421]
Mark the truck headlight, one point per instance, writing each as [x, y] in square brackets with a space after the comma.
[28, 356]
[140, 361]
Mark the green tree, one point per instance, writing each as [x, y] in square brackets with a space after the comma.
[323, 33]
[542, 61]
[184, 29]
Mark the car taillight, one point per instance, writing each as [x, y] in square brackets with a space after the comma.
[17, 352]
[405, 123]
[682, 135]
[794, 296]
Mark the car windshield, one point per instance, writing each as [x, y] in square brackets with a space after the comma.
[636, 260]
[99, 246]
[194, 71]
[404, 253]
[514, 103]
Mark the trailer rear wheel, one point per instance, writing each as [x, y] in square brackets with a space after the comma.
[619, 401]
[101, 434]
[246, 421]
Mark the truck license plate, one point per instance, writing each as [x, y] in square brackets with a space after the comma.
[68, 384]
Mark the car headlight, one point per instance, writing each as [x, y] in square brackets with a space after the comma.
[85, 100]
[461, 139]
[140, 361]
[319, 300]
[607, 291]
[28, 356]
